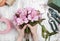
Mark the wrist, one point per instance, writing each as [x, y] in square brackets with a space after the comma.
[35, 37]
[20, 38]
[34, 34]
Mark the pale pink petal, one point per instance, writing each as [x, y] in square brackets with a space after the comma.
[35, 18]
[19, 21]
[29, 12]
[29, 17]
[34, 13]
[32, 20]
[26, 20]
[40, 16]
[20, 10]
[25, 12]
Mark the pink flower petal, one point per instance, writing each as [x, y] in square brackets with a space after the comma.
[29, 17]
[35, 18]
[19, 21]
[26, 20]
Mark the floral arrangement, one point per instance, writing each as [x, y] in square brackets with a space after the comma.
[31, 16]
[27, 16]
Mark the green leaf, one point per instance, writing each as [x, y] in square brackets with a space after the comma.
[27, 30]
[53, 33]
[48, 34]
[41, 20]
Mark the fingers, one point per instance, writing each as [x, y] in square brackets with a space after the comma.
[29, 26]
[24, 27]
[17, 27]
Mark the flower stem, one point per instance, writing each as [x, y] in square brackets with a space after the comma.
[27, 30]
[27, 37]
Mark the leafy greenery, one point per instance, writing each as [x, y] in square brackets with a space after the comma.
[46, 33]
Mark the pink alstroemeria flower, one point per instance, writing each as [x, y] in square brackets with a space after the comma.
[19, 21]
[26, 15]
[33, 16]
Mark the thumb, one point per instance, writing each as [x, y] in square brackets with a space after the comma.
[29, 26]
[24, 27]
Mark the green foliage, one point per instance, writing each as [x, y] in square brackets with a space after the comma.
[46, 33]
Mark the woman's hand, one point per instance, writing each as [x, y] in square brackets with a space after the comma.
[21, 33]
[33, 31]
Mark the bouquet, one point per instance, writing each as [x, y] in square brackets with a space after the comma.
[27, 16]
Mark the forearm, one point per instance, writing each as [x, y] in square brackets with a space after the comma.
[20, 38]
[35, 37]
